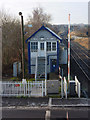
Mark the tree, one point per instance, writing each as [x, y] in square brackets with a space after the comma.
[11, 36]
[38, 18]
[11, 42]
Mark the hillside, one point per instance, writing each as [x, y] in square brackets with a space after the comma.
[83, 42]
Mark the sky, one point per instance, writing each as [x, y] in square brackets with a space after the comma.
[58, 9]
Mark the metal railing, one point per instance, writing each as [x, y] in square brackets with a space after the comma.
[35, 88]
[77, 87]
[65, 87]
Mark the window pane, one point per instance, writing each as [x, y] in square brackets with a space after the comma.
[48, 46]
[34, 46]
[42, 46]
[54, 46]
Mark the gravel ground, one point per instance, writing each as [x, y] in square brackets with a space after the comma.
[42, 102]
[70, 101]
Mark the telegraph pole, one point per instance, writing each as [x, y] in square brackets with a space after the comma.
[22, 44]
[69, 48]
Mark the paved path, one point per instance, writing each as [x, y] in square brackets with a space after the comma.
[40, 113]
[42, 108]
[70, 102]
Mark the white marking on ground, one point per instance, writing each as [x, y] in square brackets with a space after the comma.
[47, 115]
[50, 102]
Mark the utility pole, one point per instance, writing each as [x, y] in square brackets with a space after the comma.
[22, 44]
[69, 48]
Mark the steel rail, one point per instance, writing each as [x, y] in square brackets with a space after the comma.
[83, 51]
[80, 58]
[80, 67]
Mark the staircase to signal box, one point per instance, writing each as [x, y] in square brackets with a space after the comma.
[40, 71]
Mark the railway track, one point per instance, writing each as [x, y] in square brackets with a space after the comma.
[81, 57]
[85, 51]
[81, 64]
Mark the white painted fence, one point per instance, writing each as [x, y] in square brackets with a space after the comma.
[36, 88]
[65, 87]
[77, 87]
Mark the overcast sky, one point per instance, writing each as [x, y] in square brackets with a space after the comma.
[59, 10]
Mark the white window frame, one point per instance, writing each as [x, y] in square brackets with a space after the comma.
[52, 46]
[42, 47]
[36, 47]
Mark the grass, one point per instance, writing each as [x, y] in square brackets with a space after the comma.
[83, 42]
[14, 79]
[31, 79]
[54, 96]
[18, 79]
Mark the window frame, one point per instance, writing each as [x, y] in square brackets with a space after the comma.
[51, 46]
[42, 46]
[34, 46]
[47, 47]
[54, 46]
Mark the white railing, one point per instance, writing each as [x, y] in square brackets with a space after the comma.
[36, 88]
[45, 87]
[65, 87]
[36, 68]
[77, 87]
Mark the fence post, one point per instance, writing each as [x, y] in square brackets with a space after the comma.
[42, 88]
[17, 87]
[65, 87]
[0, 87]
[77, 86]
[20, 89]
[45, 87]
[66, 90]
[79, 90]
[62, 87]
[24, 88]
[31, 86]
[27, 88]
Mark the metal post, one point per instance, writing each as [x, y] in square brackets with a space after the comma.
[22, 43]
[62, 73]
[36, 69]
[42, 88]
[45, 87]
[45, 70]
[79, 92]
[61, 80]
[62, 83]
[66, 89]
[45, 62]
[69, 48]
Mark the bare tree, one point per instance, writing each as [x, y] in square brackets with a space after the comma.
[11, 41]
[38, 18]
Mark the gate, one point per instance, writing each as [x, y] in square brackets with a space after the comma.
[36, 88]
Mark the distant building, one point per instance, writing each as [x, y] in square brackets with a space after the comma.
[44, 52]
